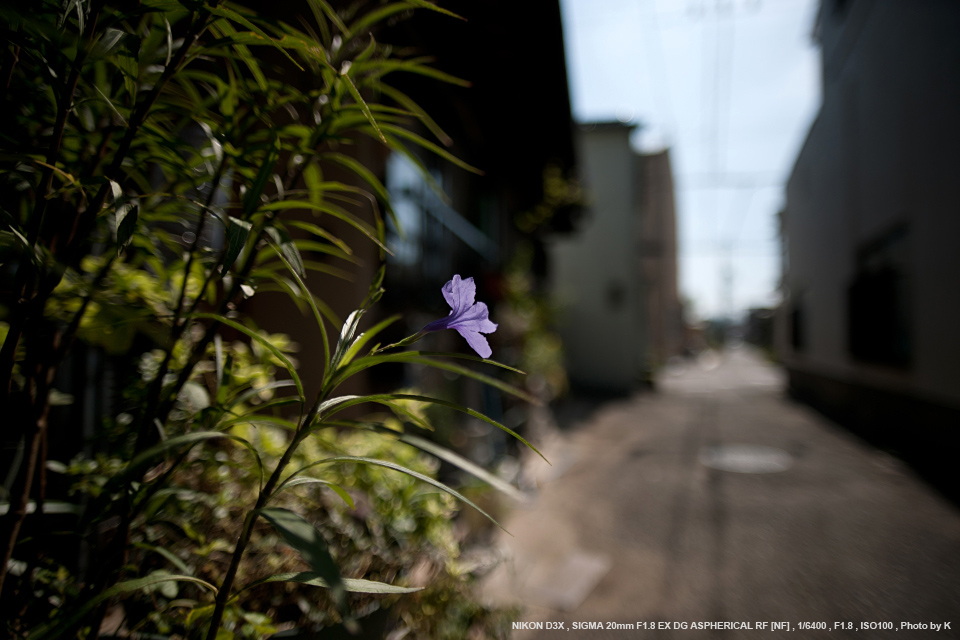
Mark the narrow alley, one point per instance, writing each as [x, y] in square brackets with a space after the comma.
[716, 499]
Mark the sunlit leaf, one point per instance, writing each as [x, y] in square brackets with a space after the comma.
[296, 482]
[126, 224]
[262, 340]
[410, 472]
[350, 584]
[352, 88]
[335, 405]
[237, 233]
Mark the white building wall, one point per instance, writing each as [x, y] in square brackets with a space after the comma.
[595, 273]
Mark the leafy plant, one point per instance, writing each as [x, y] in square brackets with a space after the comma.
[163, 162]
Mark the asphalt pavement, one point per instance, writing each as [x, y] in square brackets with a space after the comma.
[717, 503]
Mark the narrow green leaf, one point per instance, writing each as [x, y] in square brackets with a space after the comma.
[367, 176]
[373, 17]
[257, 420]
[262, 340]
[106, 42]
[459, 461]
[332, 15]
[352, 88]
[281, 242]
[344, 402]
[317, 230]
[295, 482]
[242, 397]
[423, 4]
[409, 472]
[426, 144]
[230, 14]
[237, 233]
[352, 585]
[126, 224]
[313, 179]
[354, 222]
[116, 111]
[303, 536]
[420, 357]
[346, 334]
[251, 199]
[171, 557]
[316, 305]
[408, 104]
[365, 337]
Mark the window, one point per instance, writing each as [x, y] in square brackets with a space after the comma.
[878, 301]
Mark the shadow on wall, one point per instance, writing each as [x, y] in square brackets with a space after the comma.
[919, 433]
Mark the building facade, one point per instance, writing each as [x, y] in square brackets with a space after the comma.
[615, 280]
[868, 329]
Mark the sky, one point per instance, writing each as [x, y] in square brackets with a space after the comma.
[731, 87]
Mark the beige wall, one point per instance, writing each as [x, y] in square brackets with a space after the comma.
[595, 272]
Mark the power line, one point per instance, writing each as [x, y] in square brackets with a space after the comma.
[658, 70]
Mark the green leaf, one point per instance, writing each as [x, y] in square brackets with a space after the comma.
[367, 176]
[106, 42]
[317, 230]
[294, 482]
[230, 14]
[350, 584]
[63, 624]
[365, 337]
[171, 557]
[343, 402]
[251, 199]
[316, 305]
[303, 536]
[313, 178]
[408, 104]
[262, 340]
[256, 420]
[373, 17]
[241, 397]
[352, 88]
[336, 212]
[426, 144]
[423, 4]
[420, 357]
[113, 107]
[409, 472]
[459, 461]
[126, 224]
[330, 13]
[281, 242]
[237, 233]
[346, 334]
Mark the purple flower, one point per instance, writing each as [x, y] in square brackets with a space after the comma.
[468, 318]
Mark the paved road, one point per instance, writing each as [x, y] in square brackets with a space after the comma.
[632, 525]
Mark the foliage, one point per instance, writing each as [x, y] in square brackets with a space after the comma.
[163, 162]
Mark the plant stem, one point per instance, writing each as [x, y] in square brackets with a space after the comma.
[223, 595]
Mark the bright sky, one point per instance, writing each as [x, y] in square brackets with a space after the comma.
[731, 86]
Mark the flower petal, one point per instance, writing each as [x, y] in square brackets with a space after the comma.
[459, 294]
[441, 324]
[476, 341]
[476, 318]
